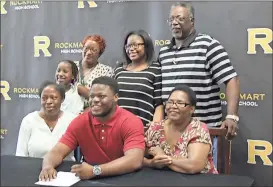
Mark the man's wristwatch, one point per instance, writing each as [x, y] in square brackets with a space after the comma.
[233, 117]
[96, 170]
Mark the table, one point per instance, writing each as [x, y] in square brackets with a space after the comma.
[22, 171]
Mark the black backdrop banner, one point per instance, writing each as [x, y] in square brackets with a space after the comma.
[35, 35]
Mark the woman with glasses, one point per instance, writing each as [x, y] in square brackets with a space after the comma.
[89, 67]
[180, 142]
[139, 78]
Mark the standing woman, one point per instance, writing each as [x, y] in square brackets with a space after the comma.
[41, 130]
[90, 67]
[139, 78]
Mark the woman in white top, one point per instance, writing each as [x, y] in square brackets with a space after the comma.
[66, 74]
[41, 130]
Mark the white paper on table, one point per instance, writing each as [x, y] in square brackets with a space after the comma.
[62, 179]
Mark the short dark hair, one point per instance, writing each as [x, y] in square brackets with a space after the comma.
[59, 88]
[74, 68]
[184, 88]
[148, 45]
[105, 80]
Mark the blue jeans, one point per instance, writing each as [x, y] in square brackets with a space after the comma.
[214, 151]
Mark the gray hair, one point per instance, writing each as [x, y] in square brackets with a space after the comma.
[187, 6]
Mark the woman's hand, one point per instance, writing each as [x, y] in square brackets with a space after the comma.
[83, 91]
[156, 151]
[161, 161]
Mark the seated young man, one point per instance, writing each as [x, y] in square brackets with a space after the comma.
[110, 137]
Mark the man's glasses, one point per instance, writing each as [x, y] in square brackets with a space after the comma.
[134, 46]
[178, 104]
[178, 19]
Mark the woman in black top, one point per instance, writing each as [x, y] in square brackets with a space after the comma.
[139, 78]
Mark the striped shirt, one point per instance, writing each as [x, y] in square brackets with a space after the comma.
[202, 64]
[140, 91]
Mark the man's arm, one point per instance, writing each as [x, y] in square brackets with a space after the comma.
[55, 157]
[133, 135]
[131, 161]
[159, 108]
[223, 72]
[233, 95]
[132, 132]
[159, 113]
[147, 162]
[66, 145]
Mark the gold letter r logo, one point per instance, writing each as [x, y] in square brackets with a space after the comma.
[3, 10]
[92, 4]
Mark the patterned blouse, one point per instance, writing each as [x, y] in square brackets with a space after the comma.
[196, 131]
[99, 71]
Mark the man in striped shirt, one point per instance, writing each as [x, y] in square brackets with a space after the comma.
[201, 62]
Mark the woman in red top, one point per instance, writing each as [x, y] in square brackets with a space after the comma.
[180, 142]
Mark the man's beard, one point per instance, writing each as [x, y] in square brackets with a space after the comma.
[104, 114]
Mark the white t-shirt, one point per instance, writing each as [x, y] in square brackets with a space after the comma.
[73, 102]
[35, 138]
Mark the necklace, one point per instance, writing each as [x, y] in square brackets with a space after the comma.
[89, 70]
[51, 128]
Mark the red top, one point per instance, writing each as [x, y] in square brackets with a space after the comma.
[102, 143]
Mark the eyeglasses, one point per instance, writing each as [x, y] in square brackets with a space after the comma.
[90, 49]
[134, 46]
[178, 19]
[178, 104]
